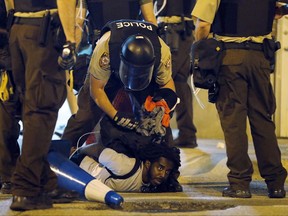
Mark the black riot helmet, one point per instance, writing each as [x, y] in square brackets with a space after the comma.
[137, 62]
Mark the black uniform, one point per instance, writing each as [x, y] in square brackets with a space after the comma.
[41, 85]
[179, 38]
[9, 112]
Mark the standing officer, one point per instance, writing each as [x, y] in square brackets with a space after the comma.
[40, 83]
[88, 114]
[176, 26]
[245, 89]
[10, 110]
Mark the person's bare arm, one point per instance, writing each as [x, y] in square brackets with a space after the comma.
[66, 10]
[100, 97]
[202, 29]
[148, 13]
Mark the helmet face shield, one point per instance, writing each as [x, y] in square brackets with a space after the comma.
[135, 77]
[137, 62]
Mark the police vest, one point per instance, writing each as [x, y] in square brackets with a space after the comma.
[243, 18]
[102, 11]
[34, 5]
[120, 30]
[175, 7]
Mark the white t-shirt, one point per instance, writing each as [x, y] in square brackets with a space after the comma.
[120, 165]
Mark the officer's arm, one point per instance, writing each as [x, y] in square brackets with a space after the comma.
[81, 12]
[202, 29]
[66, 10]
[281, 10]
[98, 94]
[148, 13]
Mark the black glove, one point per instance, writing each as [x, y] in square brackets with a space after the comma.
[68, 57]
[168, 95]
[125, 120]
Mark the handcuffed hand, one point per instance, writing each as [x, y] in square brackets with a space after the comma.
[68, 57]
[125, 120]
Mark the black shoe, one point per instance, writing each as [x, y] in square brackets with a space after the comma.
[189, 143]
[60, 195]
[6, 188]
[229, 192]
[277, 193]
[23, 203]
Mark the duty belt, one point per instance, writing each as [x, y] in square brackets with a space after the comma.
[28, 21]
[248, 45]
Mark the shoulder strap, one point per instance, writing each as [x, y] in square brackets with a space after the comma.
[128, 175]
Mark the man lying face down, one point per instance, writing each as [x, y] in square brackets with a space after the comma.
[153, 168]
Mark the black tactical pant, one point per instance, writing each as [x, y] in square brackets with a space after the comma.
[85, 119]
[9, 133]
[246, 92]
[41, 85]
[180, 72]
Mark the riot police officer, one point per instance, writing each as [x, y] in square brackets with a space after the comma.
[130, 55]
[100, 12]
[176, 26]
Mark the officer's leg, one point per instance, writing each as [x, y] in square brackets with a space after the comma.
[260, 114]
[44, 94]
[232, 110]
[9, 147]
[84, 120]
[184, 110]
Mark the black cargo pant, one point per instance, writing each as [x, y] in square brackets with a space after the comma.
[10, 112]
[181, 61]
[41, 85]
[246, 92]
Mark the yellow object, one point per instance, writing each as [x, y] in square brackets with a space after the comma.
[5, 88]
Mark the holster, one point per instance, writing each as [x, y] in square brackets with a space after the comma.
[270, 46]
[44, 29]
[171, 33]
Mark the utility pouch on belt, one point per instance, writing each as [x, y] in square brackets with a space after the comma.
[44, 29]
[206, 61]
[270, 46]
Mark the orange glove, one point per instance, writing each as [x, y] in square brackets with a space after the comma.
[150, 105]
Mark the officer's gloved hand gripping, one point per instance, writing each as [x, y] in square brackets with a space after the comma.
[67, 59]
[165, 98]
[125, 120]
[168, 96]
